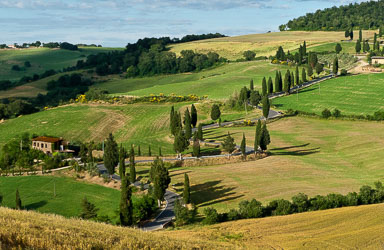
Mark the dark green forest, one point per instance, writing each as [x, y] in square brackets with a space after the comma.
[366, 15]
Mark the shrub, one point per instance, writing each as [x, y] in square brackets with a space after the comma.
[252, 209]
[300, 202]
[211, 216]
[16, 68]
[336, 113]
[326, 113]
[343, 72]
[233, 214]
[183, 215]
[144, 208]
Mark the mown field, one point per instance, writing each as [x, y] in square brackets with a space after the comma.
[216, 83]
[348, 47]
[41, 59]
[343, 228]
[311, 156]
[37, 193]
[352, 95]
[139, 124]
[263, 44]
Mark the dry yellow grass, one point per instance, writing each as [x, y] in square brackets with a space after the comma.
[263, 44]
[344, 228]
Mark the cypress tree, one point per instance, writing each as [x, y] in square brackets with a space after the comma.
[319, 68]
[297, 78]
[200, 132]
[335, 67]
[338, 48]
[18, 200]
[186, 190]
[280, 81]
[351, 34]
[266, 107]
[264, 87]
[171, 120]
[304, 75]
[243, 146]
[229, 144]
[277, 86]
[368, 48]
[180, 143]
[305, 48]
[360, 35]
[193, 116]
[292, 82]
[286, 81]
[196, 146]
[132, 167]
[257, 136]
[310, 70]
[265, 139]
[126, 205]
[270, 86]
[251, 87]
[160, 178]
[187, 124]
[149, 150]
[215, 112]
[122, 155]
[160, 154]
[139, 151]
[111, 155]
[358, 46]
[374, 39]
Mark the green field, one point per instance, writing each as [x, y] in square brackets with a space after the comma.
[42, 59]
[348, 47]
[37, 193]
[217, 83]
[312, 156]
[352, 95]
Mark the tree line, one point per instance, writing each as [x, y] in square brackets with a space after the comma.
[365, 15]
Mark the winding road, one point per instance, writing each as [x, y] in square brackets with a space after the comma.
[167, 214]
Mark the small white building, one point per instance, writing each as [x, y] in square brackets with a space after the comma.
[378, 60]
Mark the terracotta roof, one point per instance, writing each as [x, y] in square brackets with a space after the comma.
[46, 139]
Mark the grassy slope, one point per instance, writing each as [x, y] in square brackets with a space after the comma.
[36, 193]
[41, 59]
[263, 44]
[217, 83]
[345, 228]
[351, 95]
[312, 156]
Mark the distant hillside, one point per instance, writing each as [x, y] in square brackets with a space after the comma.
[366, 15]
[344, 228]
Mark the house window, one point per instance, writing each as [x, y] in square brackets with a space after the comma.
[34, 144]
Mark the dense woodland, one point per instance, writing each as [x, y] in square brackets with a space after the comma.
[366, 15]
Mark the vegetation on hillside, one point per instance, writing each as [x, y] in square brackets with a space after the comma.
[365, 15]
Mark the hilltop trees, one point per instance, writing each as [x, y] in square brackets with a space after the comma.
[159, 176]
[111, 155]
[126, 205]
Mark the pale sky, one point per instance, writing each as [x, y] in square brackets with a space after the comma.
[114, 23]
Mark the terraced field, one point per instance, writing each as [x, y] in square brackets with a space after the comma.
[352, 95]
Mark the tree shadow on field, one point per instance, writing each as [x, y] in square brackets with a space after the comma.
[298, 152]
[36, 205]
[181, 173]
[212, 192]
[306, 90]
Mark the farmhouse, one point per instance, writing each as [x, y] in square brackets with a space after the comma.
[378, 60]
[50, 144]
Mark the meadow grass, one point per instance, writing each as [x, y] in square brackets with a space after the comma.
[348, 47]
[216, 83]
[37, 193]
[42, 59]
[352, 95]
[263, 44]
[307, 155]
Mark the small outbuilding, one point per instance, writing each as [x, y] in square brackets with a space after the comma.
[378, 60]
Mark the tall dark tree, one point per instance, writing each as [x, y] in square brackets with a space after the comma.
[111, 154]
[305, 48]
[265, 139]
[215, 112]
[193, 116]
[180, 143]
[18, 200]
[126, 205]
[171, 120]
[160, 178]
[122, 155]
[297, 78]
[360, 35]
[257, 136]
[287, 82]
[358, 46]
[200, 132]
[138, 151]
[89, 210]
[187, 124]
[266, 107]
[255, 98]
[310, 71]
[319, 68]
[374, 39]
[264, 89]
[280, 81]
[149, 150]
[338, 48]
[251, 87]
[229, 144]
[160, 153]
[270, 86]
[277, 80]
[292, 80]
[243, 146]
[304, 75]
[132, 166]
[335, 66]
[351, 34]
[186, 190]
